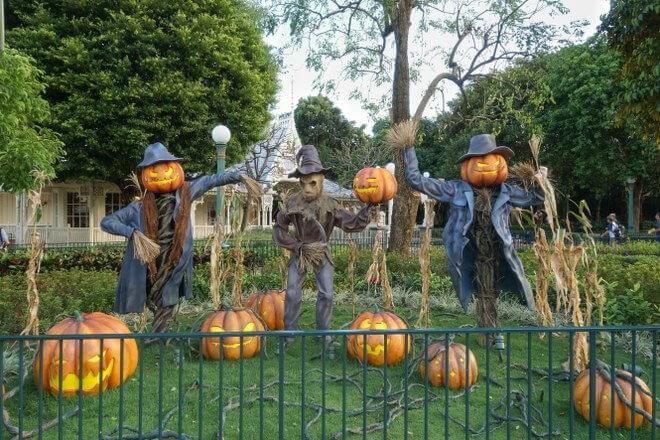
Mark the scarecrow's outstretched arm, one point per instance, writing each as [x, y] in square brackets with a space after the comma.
[122, 222]
[434, 188]
[350, 222]
[201, 185]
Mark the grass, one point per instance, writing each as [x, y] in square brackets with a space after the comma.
[167, 371]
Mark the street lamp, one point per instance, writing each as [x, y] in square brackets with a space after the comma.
[630, 184]
[221, 136]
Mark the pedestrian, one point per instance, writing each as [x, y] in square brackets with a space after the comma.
[4, 239]
[612, 229]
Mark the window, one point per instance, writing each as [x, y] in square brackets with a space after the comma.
[112, 202]
[77, 211]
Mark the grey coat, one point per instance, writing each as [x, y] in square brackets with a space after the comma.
[131, 290]
[461, 253]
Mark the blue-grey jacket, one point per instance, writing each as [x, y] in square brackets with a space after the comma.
[131, 290]
[460, 256]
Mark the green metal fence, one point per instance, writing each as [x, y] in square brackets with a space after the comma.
[297, 390]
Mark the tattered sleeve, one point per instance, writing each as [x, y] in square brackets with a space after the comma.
[350, 222]
[281, 233]
[436, 189]
[522, 198]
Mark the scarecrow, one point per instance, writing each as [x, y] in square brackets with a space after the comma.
[314, 215]
[480, 254]
[157, 265]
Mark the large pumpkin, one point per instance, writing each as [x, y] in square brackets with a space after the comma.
[623, 415]
[269, 305]
[236, 320]
[374, 185]
[487, 170]
[396, 343]
[162, 177]
[98, 368]
[460, 365]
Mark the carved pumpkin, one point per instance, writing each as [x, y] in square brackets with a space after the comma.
[482, 171]
[98, 368]
[396, 343]
[458, 366]
[623, 415]
[237, 320]
[163, 177]
[374, 185]
[269, 305]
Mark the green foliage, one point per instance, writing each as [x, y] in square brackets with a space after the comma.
[26, 146]
[120, 75]
[632, 29]
[628, 307]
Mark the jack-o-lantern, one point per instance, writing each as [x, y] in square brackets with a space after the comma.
[460, 365]
[396, 343]
[101, 366]
[623, 415]
[229, 347]
[483, 171]
[269, 305]
[374, 185]
[163, 177]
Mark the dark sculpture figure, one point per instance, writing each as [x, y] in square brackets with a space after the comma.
[313, 215]
[163, 215]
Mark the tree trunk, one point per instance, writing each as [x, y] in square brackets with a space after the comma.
[637, 204]
[245, 218]
[405, 204]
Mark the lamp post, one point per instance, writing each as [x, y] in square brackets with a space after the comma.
[221, 136]
[630, 184]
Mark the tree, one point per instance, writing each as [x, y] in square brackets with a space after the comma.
[121, 75]
[360, 32]
[632, 29]
[323, 125]
[26, 146]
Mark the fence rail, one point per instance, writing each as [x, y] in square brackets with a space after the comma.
[294, 388]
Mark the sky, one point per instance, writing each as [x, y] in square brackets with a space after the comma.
[296, 81]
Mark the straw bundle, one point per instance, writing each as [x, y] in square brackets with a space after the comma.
[312, 255]
[145, 249]
[402, 135]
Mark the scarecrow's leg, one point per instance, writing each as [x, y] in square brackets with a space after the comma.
[293, 298]
[324, 279]
[162, 318]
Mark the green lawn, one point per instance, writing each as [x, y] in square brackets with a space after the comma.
[201, 406]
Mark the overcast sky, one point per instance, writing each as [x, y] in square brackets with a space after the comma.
[296, 81]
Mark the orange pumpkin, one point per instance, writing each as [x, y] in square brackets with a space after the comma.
[623, 415]
[482, 171]
[99, 369]
[396, 343]
[163, 177]
[374, 185]
[236, 320]
[460, 366]
[269, 305]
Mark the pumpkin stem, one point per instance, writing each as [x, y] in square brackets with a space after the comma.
[78, 316]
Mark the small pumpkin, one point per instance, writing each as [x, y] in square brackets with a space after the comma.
[623, 415]
[483, 171]
[374, 185]
[396, 343]
[99, 369]
[460, 365]
[163, 177]
[269, 305]
[236, 320]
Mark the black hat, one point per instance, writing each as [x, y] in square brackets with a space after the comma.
[308, 162]
[483, 144]
[156, 153]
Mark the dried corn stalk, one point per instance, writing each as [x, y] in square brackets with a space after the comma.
[237, 285]
[542, 252]
[352, 256]
[425, 263]
[377, 272]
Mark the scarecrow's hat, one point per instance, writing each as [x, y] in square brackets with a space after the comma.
[483, 144]
[157, 153]
[308, 162]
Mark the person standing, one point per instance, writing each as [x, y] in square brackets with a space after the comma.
[612, 229]
[4, 239]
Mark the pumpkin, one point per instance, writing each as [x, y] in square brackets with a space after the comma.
[99, 369]
[269, 305]
[374, 185]
[236, 320]
[487, 170]
[396, 343]
[623, 415]
[460, 366]
[162, 177]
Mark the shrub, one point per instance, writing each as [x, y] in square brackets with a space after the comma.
[628, 307]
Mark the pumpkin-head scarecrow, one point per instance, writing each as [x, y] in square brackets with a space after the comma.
[480, 253]
[314, 215]
[163, 216]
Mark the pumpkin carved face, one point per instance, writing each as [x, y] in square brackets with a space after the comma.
[483, 171]
[163, 177]
[375, 344]
[100, 367]
[623, 415]
[269, 305]
[374, 185]
[460, 366]
[229, 347]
